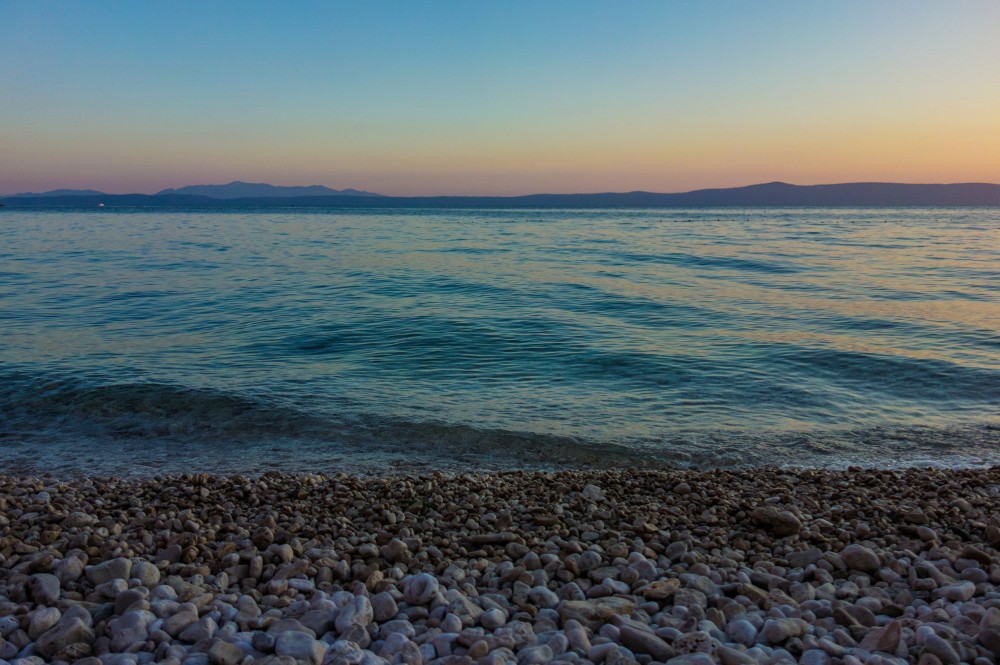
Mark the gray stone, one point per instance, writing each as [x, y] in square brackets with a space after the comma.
[147, 573]
[318, 621]
[395, 551]
[263, 642]
[958, 592]
[42, 620]
[990, 638]
[69, 569]
[537, 655]
[420, 589]
[698, 641]
[692, 659]
[777, 521]
[702, 584]
[129, 629]
[300, 646]
[284, 625]
[8, 650]
[685, 597]
[65, 633]
[8, 625]
[805, 557]
[777, 631]
[596, 612]
[113, 569]
[127, 598]
[542, 596]
[44, 588]
[883, 639]
[942, 649]
[343, 652]
[220, 652]
[493, 618]
[184, 617]
[357, 613]
[814, 657]
[384, 606]
[78, 612]
[731, 656]
[465, 609]
[642, 641]
[202, 629]
[859, 557]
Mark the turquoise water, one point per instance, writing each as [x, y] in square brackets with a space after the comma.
[142, 341]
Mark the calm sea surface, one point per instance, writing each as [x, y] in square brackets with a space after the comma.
[136, 341]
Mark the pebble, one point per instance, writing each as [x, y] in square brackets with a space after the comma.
[859, 557]
[420, 589]
[731, 656]
[742, 632]
[358, 612]
[776, 631]
[692, 659]
[958, 592]
[106, 571]
[777, 521]
[66, 633]
[594, 613]
[493, 618]
[42, 620]
[44, 588]
[941, 649]
[300, 646]
[602, 566]
[644, 641]
[219, 652]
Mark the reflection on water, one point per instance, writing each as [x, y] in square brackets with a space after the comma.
[657, 333]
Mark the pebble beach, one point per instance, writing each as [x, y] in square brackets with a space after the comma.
[614, 566]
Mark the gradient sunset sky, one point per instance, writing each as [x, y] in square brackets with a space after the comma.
[413, 98]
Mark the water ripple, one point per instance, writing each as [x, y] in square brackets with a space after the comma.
[502, 337]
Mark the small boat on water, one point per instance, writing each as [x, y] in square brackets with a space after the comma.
[100, 205]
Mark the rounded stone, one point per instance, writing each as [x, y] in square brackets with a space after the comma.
[859, 557]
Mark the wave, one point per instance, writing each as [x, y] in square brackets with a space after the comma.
[141, 410]
[65, 425]
[53, 412]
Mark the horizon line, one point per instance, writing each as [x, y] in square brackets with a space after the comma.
[164, 192]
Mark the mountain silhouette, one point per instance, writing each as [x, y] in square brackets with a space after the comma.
[772, 194]
[59, 192]
[240, 190]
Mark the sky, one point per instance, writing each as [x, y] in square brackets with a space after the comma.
[497, 98]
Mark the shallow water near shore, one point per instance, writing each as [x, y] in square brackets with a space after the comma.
[139, 341]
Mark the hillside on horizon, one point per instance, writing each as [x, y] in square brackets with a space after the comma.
[774, 194]
[239, 190]
[57, 192]
[233, 190]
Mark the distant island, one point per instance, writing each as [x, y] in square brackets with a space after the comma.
[773, 194]
[57, 192]
[243, 190]
[234, 190]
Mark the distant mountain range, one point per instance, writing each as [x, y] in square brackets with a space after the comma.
[243, 190]
[58, 192]
[778, 194]
[234, 190]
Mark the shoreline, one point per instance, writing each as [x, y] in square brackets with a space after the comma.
[458, 449]
[692, 567]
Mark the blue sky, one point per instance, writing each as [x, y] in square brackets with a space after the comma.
[497, 98]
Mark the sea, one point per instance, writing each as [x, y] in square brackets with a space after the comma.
[152, 341]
